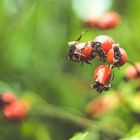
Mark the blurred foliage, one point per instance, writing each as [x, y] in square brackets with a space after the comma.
[85, 136]
[33, 65]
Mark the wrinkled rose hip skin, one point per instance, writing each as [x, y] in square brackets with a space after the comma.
[116, 56]
[102, 77]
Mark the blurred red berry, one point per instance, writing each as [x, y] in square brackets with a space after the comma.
[102, 105]
[116, 56]
[101, 78]
[6, 98]
[91, 22]
[106, 42]
[108, 20]
[105, 21]
[16, 111]
[133, 72]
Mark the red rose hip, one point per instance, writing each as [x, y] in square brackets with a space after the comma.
[91, 22]
[6, 98]
[106, 42]
[16, 111]
[83, 52]
[108, 20]
[133, 72]
[116, 56]
[102, 77]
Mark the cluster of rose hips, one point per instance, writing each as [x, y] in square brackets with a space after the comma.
[107, 50]
[104, 21]
[13, 108]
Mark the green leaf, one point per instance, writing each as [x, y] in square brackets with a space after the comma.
[85, 136]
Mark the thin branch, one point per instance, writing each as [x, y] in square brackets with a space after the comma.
[57, 113]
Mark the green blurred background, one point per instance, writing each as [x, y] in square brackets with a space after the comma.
[34, 65]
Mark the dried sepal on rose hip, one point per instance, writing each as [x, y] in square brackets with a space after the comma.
[133, 72]
[80, 51]
[16, 111]
[83, 52]
[116, 56]
[106, 44]
[102, 78]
